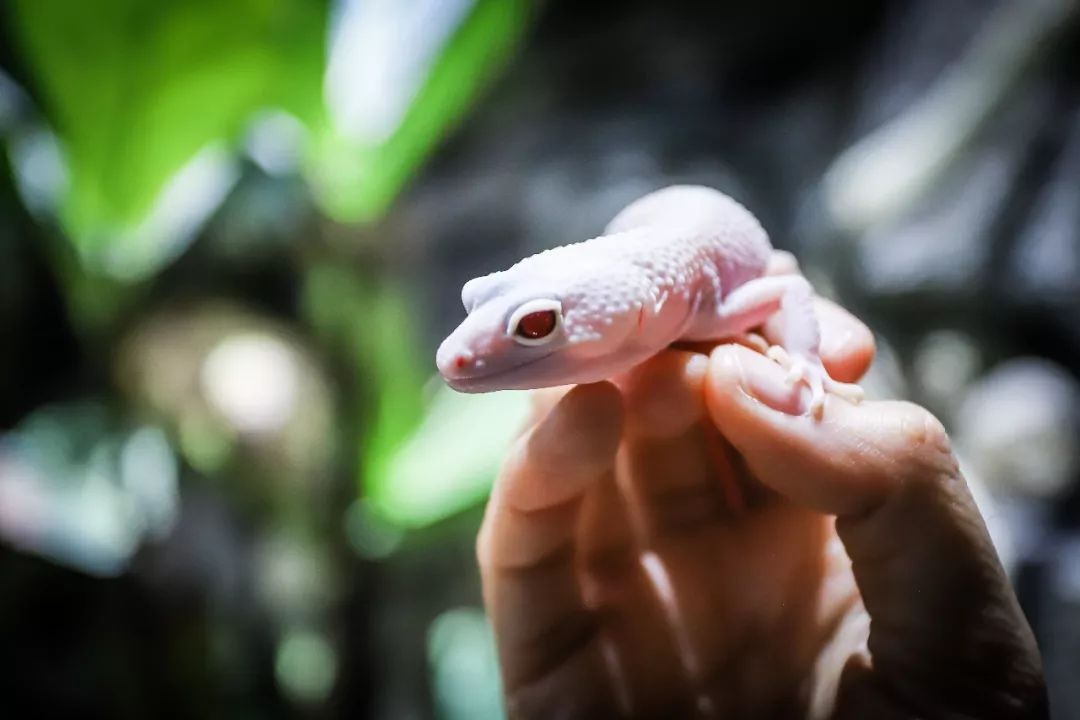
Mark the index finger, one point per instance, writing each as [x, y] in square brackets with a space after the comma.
[526, 544]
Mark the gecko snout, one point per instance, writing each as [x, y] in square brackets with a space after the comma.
[455, 363]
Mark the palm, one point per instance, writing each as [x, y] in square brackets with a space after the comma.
[707, 592]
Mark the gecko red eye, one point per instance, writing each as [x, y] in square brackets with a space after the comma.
[536, 325]
[535, 322]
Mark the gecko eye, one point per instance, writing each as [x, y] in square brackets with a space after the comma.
[535, 323]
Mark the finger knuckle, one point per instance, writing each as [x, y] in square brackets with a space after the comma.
[483, 545]
[925, 445]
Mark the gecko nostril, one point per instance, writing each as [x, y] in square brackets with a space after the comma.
[460, 362]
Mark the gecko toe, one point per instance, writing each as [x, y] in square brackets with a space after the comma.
[811, 372]
[849, 391]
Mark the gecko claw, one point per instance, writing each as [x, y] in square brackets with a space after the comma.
[780, 356]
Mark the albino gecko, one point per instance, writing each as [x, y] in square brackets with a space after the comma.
[685, 263]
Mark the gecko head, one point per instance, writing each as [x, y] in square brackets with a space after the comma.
[521, 335]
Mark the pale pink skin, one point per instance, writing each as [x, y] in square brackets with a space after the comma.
[682, 263]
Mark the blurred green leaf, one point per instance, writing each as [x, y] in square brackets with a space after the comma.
[369, 322]
[424, 455]
[395, 370]
[357, 182]
[449, 462]
[372, 323]
[136, 90]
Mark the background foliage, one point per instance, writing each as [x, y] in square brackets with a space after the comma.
[233, 231]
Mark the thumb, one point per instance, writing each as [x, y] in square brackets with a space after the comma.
[946, 627]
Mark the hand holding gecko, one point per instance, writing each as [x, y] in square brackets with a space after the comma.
[696, 543]
[696, 546]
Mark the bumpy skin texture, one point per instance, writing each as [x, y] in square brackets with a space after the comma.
[683, 263]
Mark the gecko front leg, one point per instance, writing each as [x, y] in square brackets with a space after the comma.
[754, 302]
[800, 345]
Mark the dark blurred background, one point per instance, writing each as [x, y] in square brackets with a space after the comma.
[232, 233]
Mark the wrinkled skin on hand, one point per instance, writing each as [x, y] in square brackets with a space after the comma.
[669, 549]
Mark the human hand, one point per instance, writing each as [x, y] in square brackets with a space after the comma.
[670, 551]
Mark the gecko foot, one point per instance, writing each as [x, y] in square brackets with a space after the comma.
[811, 371]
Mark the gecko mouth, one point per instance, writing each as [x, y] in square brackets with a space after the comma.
[515, 377]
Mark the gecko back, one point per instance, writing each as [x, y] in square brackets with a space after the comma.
[729, 237]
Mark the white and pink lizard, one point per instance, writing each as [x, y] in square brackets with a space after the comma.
[685, 263]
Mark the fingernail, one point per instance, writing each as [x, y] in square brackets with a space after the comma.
[836, 344]
[765, 381]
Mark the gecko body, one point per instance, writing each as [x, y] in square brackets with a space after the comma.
[684, 263]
